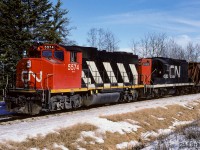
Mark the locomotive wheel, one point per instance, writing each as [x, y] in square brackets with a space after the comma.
[161, 93]
[153, 95]
[52, 105]
[76, 101]
[178, 92]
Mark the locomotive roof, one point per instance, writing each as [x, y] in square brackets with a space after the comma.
[77, 48]
[92, 53]
[169, 60]
[92, 50]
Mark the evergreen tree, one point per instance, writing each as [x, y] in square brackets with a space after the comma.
[59, 30]
[14, 36]
[22, 23]
[40, 12]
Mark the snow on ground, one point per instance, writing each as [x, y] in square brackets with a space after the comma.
[97, 137]
[146, 135]
[126, 145]
[55, 145]
[21, 130]
[176, 141]
[158, 118]
[178, 123]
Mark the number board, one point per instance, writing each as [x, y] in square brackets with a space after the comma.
[48, 47]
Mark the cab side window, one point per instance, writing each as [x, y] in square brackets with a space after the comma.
[59, 55]
[73, 56]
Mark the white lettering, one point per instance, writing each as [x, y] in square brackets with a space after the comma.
[29, 74]
[178, 71]
[49, 47]
[174, 71]
[73, 67]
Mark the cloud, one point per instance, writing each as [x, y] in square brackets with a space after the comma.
[180, 19]
[149, 17]
[194, 23]
[183, 40]
[136, 17]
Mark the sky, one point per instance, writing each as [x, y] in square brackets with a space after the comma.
[132, 19]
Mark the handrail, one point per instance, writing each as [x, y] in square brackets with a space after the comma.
[47, 80]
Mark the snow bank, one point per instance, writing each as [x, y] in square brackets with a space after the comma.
[30, 128]
[55, 145]
[126, 145]
[175, 141]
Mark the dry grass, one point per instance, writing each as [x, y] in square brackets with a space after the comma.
[148, 119]
[158, 118]
[66, 137]
[151, 120]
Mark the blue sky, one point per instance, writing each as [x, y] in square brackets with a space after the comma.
[132, 19]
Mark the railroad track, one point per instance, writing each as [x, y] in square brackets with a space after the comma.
[14, 118]
[7, 119]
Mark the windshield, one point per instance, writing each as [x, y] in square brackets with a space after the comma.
[47, 53]
[59, 55]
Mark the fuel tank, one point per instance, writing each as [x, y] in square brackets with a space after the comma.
[101, 98]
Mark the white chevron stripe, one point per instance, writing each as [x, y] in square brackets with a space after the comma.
[110, 72]
[94, 71]
[123, 72]
[86, 80]
[135, 73]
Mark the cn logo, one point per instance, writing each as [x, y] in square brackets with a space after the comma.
[174, 71]
[28, 75]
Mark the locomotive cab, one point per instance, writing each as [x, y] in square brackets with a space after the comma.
[50, 67]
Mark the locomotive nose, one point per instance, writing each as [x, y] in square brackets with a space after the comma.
[28, 73]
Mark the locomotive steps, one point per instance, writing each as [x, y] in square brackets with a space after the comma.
[109, 127]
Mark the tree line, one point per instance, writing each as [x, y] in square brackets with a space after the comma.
[150, 45]
[160, 45]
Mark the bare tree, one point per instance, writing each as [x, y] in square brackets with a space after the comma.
[156, 45]
[135, 47]
[192, 52]
[197, 47]
[92, 37]
[145, 46]
[173, 50]
[111, 44]
[102, 39]
[151, 45]
[159, 45]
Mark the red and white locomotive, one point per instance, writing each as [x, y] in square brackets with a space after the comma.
[55, 77]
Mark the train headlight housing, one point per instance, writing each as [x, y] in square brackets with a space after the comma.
[28, 64]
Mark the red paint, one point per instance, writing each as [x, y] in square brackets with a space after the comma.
[51, 73]
[145, 70]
